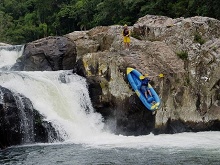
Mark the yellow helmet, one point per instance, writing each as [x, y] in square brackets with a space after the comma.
[141, 77]
[125, 25]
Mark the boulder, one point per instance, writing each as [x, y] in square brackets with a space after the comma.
[20, 123]
[48, 54]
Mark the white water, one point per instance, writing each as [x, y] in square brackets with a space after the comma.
[206, 140]
[8, 58]
[65, 105]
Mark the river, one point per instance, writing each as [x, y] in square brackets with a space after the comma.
[186, 149]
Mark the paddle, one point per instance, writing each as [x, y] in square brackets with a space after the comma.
[161, 75]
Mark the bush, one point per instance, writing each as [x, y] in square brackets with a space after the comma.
[183, 55]
[136, 36]
[198, 38]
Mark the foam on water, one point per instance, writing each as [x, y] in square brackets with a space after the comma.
[181, 140]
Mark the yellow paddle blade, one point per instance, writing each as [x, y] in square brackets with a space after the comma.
[161, 75]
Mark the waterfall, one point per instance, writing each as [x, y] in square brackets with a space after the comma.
[66, 104]
[26, 116]
[9, 55]
[61, 97]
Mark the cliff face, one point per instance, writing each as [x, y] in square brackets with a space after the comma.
[198, 37]
[185, 50]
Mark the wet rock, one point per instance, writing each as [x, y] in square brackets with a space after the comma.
[48, 54]
[20, 123]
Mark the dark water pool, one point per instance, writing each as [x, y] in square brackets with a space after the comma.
[77, 154]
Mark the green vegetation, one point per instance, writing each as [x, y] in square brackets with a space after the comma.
[187, 81]
[198, 38]
[183, 55]
[23, 21]
[214, 48]
[136, 36]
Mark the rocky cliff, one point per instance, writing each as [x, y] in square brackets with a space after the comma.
[185, 50]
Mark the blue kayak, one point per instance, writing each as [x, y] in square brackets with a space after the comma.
[152, 103]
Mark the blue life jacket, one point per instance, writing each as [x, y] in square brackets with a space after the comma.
[145, 82]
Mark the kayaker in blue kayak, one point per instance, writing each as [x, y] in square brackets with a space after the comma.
[144, 85]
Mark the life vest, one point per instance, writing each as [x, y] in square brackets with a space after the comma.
[145, 82]
[125, 32]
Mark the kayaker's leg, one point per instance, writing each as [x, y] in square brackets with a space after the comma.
[149, 92]
[146, 94]
[144, 91]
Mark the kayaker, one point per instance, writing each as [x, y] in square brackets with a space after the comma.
[144, 85]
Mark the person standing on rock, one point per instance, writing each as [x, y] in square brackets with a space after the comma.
[126, 37]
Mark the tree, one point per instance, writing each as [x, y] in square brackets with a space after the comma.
[27, 20]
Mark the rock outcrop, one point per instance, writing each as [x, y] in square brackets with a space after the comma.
[185, 50]
[48, 54]
[196, 101]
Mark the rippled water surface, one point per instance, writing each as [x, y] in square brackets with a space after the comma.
[184, 149]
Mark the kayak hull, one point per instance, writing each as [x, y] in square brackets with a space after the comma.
[152, 103]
